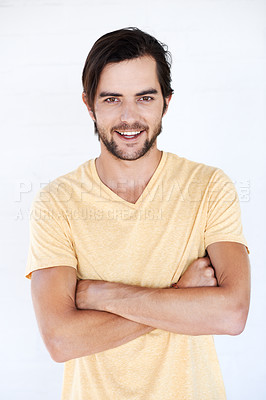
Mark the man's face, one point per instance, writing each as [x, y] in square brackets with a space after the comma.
[128, 107]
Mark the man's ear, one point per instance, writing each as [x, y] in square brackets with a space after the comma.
[85, 101]
[167, 101]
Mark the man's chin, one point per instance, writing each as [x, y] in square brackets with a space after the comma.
[120, 154]
[129, 154]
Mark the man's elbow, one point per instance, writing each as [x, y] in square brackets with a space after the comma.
[238, 320]
[57, 353]
[56, 346]
[62, 347]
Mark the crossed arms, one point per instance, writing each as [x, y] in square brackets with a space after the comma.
[79, 319]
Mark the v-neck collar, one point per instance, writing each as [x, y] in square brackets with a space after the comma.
[112, 195]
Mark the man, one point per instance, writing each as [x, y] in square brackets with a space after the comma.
[137, 257]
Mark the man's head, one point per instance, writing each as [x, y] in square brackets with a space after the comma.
[126, 81]
[125, 44]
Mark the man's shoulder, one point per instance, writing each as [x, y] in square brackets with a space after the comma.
[182, 168]
[196, 179]
[65, 185]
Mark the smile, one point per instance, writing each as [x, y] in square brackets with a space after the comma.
[129, 134]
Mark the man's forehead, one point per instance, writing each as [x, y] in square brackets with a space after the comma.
[137, 75]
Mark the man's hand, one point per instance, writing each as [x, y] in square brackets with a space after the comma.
[92, 294]
[200, 273]
[89, 293]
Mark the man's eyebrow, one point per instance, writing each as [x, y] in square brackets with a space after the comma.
[148, 91]
[109, 94]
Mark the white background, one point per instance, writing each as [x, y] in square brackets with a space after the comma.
[217, 116]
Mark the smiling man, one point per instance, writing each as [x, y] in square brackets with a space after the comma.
[136, 116]
[137, 257]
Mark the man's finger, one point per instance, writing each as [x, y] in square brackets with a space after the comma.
[209, 272]
[203, 262]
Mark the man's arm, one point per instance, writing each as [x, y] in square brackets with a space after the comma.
[71, 333]
[191, 311]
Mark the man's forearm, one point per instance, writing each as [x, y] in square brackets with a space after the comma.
[71, 333]
[85, 332]
[88, 331]
[194, 310]
[191, 311]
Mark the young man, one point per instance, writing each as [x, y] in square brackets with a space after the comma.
[122, 288]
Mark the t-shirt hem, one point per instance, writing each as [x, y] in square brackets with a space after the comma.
[226, 239]
[44, 265]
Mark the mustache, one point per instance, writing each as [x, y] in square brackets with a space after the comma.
[126, 127]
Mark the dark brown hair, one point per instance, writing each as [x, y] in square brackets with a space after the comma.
[120, 45]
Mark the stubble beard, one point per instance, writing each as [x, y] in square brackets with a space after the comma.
[114, 149]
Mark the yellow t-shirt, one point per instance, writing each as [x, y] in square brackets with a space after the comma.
[78, 221]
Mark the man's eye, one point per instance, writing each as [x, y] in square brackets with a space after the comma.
[111, 100]
[146, 98]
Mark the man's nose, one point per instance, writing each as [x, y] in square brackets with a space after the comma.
[129, 112]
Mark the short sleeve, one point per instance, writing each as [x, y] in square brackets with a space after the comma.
[50, 236]
[223, 215]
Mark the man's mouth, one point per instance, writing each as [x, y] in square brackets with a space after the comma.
[129, 134]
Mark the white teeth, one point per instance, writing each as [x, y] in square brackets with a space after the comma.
[129, 133]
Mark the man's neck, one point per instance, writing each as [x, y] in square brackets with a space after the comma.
[127, 179]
